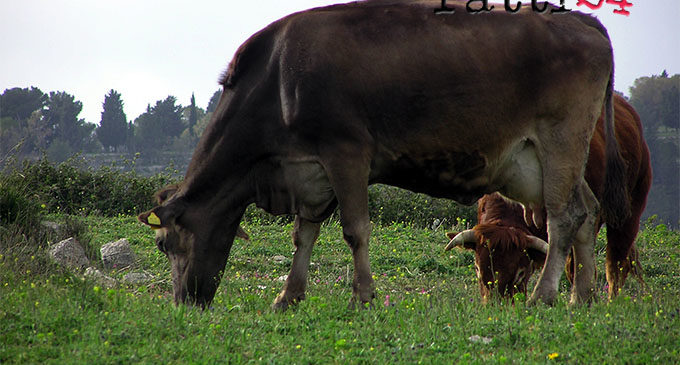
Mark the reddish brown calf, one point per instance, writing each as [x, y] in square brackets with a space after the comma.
[504, 259]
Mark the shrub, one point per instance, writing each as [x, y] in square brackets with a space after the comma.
[16, 206]
[23, 238]
[388, 205]
[72, 187]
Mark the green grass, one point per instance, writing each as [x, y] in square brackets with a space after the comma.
[49, 315]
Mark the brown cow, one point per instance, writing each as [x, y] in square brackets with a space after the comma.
[506, 252]
[322, 103]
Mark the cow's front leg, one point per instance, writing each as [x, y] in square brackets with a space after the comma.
[356, 236]
[305, 234]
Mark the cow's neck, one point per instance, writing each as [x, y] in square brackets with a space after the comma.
[219, 173]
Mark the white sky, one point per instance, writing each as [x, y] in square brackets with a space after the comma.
[147, 50]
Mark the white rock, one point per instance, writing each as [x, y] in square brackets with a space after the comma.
[137, 278]
[69, 253]
[99, 277]
[117, 255]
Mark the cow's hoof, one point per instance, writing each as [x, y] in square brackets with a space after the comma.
[545, 299]
[356, 303]
[283, 301]
[280, 306]
[586, 299]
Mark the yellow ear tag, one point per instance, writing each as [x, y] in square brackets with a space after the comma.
[153, 219]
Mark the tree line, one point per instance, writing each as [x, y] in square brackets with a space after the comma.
[33, 123]
[657, 101]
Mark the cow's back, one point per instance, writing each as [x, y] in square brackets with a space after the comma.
[432, 93]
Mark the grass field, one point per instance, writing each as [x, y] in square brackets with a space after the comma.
[427, 309]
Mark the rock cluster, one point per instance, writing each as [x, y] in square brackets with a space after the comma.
[115, 255]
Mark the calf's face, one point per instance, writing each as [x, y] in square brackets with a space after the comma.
[503, 269]
[502, 272]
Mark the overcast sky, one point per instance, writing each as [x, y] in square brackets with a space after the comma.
[147, 50]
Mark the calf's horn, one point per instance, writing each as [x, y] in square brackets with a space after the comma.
[537, 244]
[467, 236]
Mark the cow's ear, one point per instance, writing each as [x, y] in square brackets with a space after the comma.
[161, 216]
[165, 193]
[151, 219]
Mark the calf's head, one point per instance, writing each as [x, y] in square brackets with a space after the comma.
[505, 257]
[196, 247]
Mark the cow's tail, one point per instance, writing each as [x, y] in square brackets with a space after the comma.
[615, 201]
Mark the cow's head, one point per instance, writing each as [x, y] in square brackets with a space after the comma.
[196, 247]
[505, 257]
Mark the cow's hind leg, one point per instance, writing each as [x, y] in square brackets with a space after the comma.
[584, 246]
[562, 226]
[563, 146]
[576, 218]
[305, 234]
[348, 173]
[356, 230]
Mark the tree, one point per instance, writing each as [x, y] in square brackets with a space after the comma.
[214, 100]
[22, 130]
[131, 146]
[204, 118]
[36, 134]
[61, 115]
[657, 101]
[19, 104]
[169, 116]
[193, 115]
[23, 138]
[112, 131]
[159, 125]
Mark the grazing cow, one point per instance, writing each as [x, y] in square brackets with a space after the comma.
[508, 250]
[322, 103]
